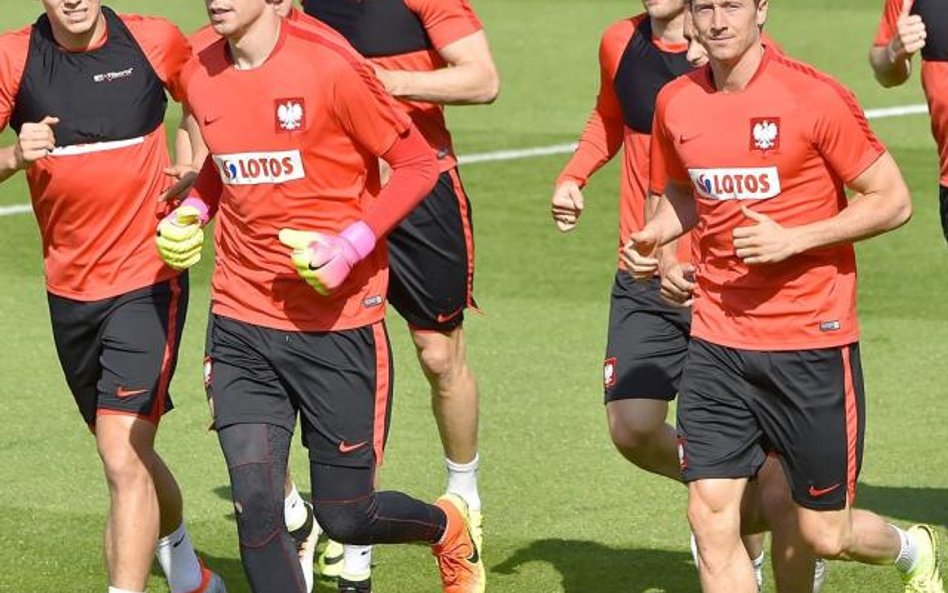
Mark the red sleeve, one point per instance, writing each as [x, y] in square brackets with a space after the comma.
[842, 134]
[414, 174]
[208, 187]
[166, 47]
[14, 48]
[364, 109]
[664, 163]
[887, 26]
[605, 128]
[202, 39]
[446, 21]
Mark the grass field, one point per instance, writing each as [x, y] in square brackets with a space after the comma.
[564, 512]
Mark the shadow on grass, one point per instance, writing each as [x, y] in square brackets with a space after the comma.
[913, 505]
[589, 566]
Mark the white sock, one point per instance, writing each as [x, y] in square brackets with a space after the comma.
[462, 480]
[294, 510]
[179, 562]
[758, 564]
[908, 552]
[356, 562]
[117, 590]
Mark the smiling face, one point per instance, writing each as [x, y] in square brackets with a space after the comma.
[230, 17]
[75, 23]
[728, 28]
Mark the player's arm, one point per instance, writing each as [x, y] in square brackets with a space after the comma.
[881, 203]
[600, 141]
[901, 35]
[470, 77]
[190, 152]
[675, 214]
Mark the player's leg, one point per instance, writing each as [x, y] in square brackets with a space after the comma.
[141, 337]
[943, 209]
[719, 450]
[823, 456]
[431, 257]
[343, 381]
[301, 523]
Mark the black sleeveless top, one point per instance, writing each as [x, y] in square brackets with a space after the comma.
[106, 94]
[375, 28]
[643, 70]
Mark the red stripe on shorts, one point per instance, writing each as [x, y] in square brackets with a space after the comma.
[852, 425]
[382, 392]
[468, 233]
[167, 358]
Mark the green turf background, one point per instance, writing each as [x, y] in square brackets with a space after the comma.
[564, 513]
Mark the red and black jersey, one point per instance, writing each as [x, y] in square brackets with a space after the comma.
[405, 35]
[95, 196]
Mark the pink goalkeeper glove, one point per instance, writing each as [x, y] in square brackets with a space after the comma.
[324, 260]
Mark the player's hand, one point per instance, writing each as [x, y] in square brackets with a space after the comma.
[640, 254]
[566, 205]
[323, 260]
[184, 177]
[766, 242]
[910, 34]
[678, 283]
[181, 236]
[386, 77]
[35, 142]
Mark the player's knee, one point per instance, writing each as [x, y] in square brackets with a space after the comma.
[712, 509]
[630, 437]
[348, 522]
[828, 539]
[438, 358]
[123, 466]
[258, 503]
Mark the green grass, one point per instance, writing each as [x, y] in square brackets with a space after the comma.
[564, 512]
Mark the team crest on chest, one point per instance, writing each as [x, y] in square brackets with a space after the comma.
[290, 114]
[765, 133]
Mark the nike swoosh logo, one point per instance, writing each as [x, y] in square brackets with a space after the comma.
[683, 138]
[818, 492]
[178, 543]
[123, 393]
[209, 119]
[445, 318]
[345, 447]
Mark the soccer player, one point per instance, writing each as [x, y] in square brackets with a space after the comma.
[94, 169]
[744, 158]
[648, 337]
[299, 286]
[909, 27]
[430, 53]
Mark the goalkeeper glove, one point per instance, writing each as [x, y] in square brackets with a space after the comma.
[324, 260]
[180, 234]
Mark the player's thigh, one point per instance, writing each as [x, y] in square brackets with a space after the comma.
[342, 383]
[647, 343]
[140, 340]
[76, 332]
[431, 259]
[243, 386]
[719, 434]
[812, 409]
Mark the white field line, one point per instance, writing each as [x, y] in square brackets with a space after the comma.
[538, 151]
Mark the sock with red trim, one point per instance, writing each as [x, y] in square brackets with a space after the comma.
[179, 562]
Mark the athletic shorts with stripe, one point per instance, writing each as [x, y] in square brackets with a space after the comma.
[431, 259]
[808, 406]
[339, 382]
[647, 343]
[119, 354]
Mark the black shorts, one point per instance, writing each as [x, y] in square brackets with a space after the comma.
[806, 405]
[119, 353]
[340, 383]
[943, 209]
[431, 259]
[647, 343]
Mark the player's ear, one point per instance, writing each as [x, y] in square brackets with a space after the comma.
[762, 6]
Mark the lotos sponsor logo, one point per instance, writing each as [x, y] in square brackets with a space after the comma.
[258, 168]
[752, 183]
